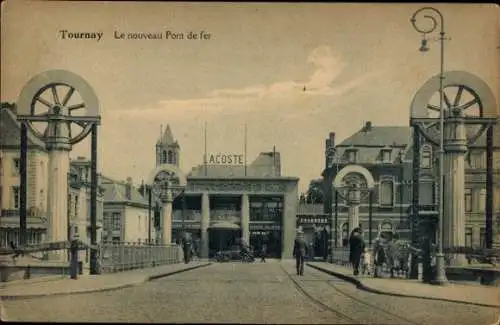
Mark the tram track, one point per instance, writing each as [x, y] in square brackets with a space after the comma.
[388, 316]
[317, 302]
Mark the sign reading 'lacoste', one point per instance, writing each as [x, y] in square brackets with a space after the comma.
[225, 159]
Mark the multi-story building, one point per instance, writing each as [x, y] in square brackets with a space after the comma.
[386, 151]
[10, 131]
[79, 200]
[226, 201]
[383, 151]
[78, 187]
[127, 214]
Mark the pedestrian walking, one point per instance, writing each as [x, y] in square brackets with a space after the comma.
[356, 248]
[186, 248]
[263, 253]
[300, 251]
[378, 257]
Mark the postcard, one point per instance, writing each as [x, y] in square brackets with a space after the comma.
[239, 162]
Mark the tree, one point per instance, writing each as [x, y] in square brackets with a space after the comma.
[315, 192]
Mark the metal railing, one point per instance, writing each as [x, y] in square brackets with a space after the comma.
[118, 257]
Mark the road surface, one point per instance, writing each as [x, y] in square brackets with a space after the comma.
[246, 293]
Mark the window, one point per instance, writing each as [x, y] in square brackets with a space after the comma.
[76, 205]
[170, 160]
[107, 222]
[140, 224]
[468, 200]
[386, 191]
[468, 237]
[75, 230]
[69, 206]
[116, 221]
[352, 155]
[426, 157]
[482, 237]
[345, 234]
[116, 239]
[16, 197]
[266, 209]
[164, 157]
[16, 165]
[482, 200]
[386, 155]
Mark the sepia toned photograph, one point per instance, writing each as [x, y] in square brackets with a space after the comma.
[249, 163]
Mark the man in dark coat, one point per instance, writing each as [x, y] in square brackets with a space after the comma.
[356, 248]
[300, 250]
[186, 247]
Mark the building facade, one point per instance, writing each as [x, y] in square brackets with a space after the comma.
[386, 151]
[127, 214]
[224, 203]
[37, 163]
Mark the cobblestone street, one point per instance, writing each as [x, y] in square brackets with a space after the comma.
[245, 293]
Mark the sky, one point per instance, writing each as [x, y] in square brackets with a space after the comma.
[358, 63]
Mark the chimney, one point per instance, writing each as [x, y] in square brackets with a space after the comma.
[368, 126]
[128, 188]
[332, 139]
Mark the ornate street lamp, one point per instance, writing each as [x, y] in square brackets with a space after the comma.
[429, 13]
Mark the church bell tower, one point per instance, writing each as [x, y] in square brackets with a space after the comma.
[167, 148]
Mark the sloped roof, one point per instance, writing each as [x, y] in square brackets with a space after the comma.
[115, 191]
[10, 129]
[167, 138]
[379, 136]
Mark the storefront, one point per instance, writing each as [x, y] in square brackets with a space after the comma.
[219, 212]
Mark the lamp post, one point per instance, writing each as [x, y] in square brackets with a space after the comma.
[440, 277]
[148, 189]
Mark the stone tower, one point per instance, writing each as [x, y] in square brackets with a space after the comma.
[167, 149]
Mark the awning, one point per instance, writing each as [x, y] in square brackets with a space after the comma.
[225, 225]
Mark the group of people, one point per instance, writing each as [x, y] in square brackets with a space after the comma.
[359, 256]
[392, 253]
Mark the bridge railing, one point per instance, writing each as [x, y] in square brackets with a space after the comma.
[123, 256]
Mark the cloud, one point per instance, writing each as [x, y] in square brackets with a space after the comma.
[327, 66]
